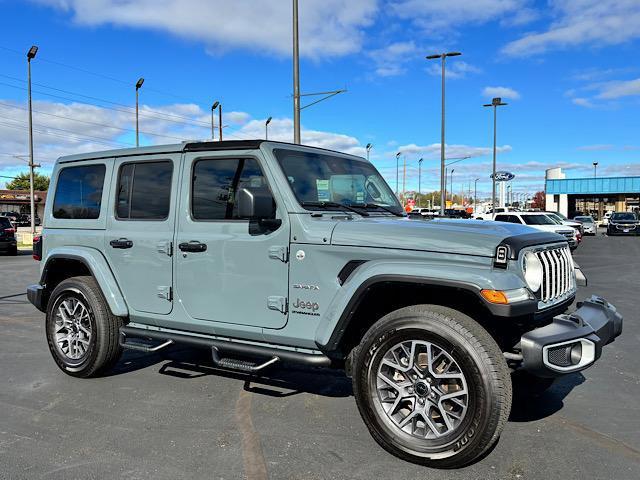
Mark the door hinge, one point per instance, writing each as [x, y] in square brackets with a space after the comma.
[165, 247]
[279, 253]
[279, 304]
[165, 292]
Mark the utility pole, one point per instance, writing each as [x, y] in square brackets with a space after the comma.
[138, 85]
[495, 103]
[31, 54]
[443, 179]
[220, 121]
[475, 195]
[404, 181]
[296, 76]
[368, 148]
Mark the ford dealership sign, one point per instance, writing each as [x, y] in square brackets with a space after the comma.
[503, 176]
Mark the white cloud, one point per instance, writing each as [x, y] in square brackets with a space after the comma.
[596, 147]
[582, 22]
[437, 15]
[391, 60]
[327, 27]
[582, 102]
[433, 150]
[612, 90]
[502, 92]
[454, 69]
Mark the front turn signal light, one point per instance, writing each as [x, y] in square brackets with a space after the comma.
[495, 296]
[505, 297]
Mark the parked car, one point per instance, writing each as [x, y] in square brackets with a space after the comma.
[589, 226]
[541, 221]
[12, 216]
[425, 212]
[8, 242]
[489, 214]
[562, 220]
[270, 253]
[623, 223]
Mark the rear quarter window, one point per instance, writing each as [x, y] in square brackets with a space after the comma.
[78, 192]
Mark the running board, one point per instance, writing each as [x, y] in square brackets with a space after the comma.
[240, 365]
[141, 346]
[225, 348]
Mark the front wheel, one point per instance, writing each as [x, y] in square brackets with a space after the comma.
[432, 386]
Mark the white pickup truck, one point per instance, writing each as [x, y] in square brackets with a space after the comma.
[489, 214]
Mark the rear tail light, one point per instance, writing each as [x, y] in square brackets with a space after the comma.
[37, 247]
[9, 230]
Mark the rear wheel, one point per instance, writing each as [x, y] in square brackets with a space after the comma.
[432, 386]
[82, 333]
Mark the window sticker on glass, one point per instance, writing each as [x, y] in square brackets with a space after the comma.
[323, 190]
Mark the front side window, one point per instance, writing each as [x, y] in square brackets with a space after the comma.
[79, 192]
[538, 220]
[216, 182]
[318, 179]
[144, 191]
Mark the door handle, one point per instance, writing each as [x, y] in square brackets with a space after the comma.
[121, 243]
[193, 246]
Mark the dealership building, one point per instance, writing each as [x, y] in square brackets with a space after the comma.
[594, 196]
[18, 201]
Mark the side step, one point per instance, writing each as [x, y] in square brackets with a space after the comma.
[241, 365]
[221, 349]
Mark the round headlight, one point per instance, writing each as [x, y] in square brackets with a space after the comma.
[532, 269]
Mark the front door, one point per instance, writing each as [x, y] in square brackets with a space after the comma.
[140, 230]
[228, 268]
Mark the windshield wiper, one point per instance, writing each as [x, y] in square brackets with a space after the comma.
[377, 205]
[331, 205]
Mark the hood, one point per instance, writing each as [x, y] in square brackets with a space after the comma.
[468, 237]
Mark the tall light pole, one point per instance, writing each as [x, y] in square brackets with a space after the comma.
[31, 54]
[455, 160]
[138, 85]
[368, 147]
[443, 182]
[219, 121]
[495, 103]
[595, 169]
[452, 170]
[420, 180]
[213, 128]
[266, 128]
[397, 172]
[475, 195]
[296, 76]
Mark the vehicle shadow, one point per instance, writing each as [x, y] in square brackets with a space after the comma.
[528, 408]
[191, 363]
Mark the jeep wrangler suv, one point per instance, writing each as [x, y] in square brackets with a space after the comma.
[271, 254]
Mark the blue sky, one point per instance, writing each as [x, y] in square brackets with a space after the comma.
[568, 69]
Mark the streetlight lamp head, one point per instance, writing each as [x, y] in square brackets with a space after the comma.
[215, 105]
[452, 54]
[595, 164]
[32, 52]
[268, 121]
[139, 83]
[496, 101]
[431, 57]
[420, 161]
[368, 147]
[398, 155]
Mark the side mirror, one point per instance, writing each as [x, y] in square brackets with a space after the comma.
[255, 203]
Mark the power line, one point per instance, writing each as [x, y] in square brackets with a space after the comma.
[54, 134]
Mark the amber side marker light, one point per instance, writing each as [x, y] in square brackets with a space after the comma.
[495, 296]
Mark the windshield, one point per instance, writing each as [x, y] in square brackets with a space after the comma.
[538, 220]
[556, 219]
[623, 216]
[319, 180]
[584, 219]
[562, 217]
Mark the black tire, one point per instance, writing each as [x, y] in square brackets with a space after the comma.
[103, 349]
[526, 385]
[480, 360]
[13, 252]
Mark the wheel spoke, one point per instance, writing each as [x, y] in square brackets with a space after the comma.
[72, 328]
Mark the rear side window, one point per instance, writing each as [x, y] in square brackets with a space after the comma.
[215, 183]
[144, 191]
[79, 192]
[4, 222]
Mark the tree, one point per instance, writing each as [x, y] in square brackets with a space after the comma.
[539, 201]
[21, 182]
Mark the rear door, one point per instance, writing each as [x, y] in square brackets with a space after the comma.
[140, 230]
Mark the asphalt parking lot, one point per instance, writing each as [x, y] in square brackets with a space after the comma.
[174, 416]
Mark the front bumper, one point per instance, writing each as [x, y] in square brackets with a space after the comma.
[571, 342]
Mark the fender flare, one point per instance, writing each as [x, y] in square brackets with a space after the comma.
[99, 268]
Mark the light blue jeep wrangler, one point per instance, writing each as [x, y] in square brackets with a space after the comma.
[270, 253]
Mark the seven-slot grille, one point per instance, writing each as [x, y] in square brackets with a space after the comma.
[558, 275]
